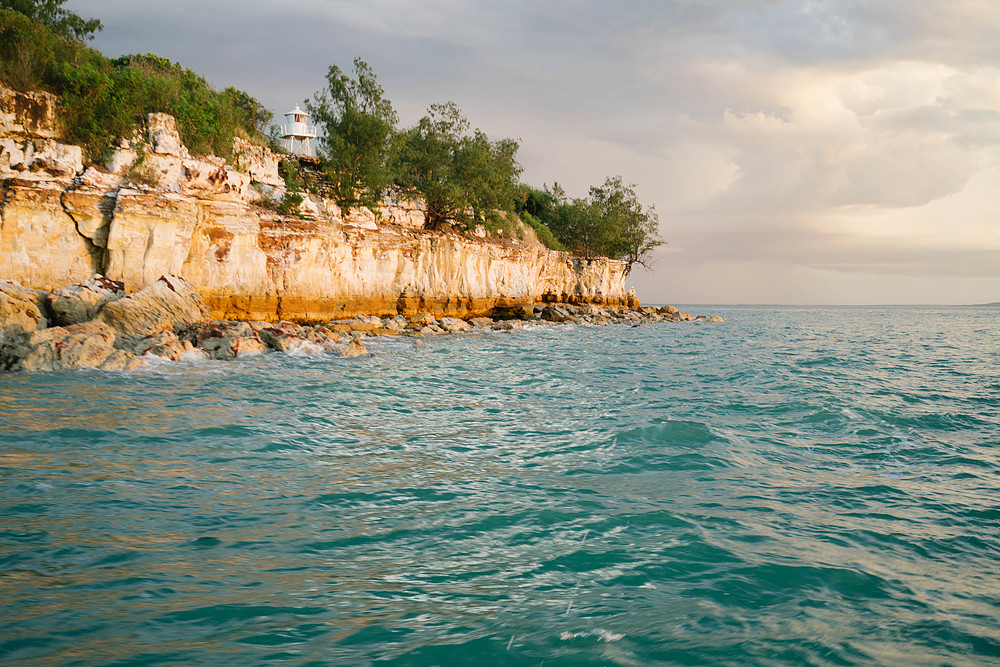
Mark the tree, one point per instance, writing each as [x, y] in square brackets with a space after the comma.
[462, 178]
[50, 13]
[359, 124]
[487, 172]
[630, 232]
[427, 162]
[611, 222]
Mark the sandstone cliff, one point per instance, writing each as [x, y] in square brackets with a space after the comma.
[153, 209]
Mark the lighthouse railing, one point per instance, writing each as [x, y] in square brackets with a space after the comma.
[298, 130]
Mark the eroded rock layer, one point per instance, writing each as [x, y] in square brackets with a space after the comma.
[154, 210]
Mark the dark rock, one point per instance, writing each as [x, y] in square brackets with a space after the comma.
[164, 344]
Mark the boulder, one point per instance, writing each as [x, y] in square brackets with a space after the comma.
[521, 311]
[590, 310]
[82, 301]
[159, 307]
[164, 344]
[246, 345]
[281, 339]
[229, 339]
[716, 318]
[359, 324]
[395, 324]
[233, 347]
[88, 344]
[355, 349]
[21, 310]
[508, 325]
[324, 334]
[199, 332]
[481, 322]
[558, 314]
[421, 319]
[454, 325]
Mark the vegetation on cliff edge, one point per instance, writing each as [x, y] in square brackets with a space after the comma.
[465, 178]
[105, 100]
[358, 145]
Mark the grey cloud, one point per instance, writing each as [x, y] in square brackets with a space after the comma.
[843, 253]
[645, 88]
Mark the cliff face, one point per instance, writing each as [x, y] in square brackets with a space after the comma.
[203, 220]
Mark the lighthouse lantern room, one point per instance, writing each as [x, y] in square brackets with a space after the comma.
[297, 132]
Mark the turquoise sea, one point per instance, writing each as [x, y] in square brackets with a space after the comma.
[794, 486]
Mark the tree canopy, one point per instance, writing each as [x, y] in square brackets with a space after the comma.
[462, 177]
[630, 232]
[52, 14]
[358, 144]
[611, 222]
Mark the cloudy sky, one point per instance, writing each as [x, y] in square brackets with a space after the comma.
[810, 152]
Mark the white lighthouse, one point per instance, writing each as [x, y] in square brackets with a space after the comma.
[297, 132]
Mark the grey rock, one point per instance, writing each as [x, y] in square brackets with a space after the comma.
[82, 301]
[355, 349]
[21, 310]
[88, 344]
[481, 322]
[163, 344]
[168, 301]
[454, 325]
[232, 347]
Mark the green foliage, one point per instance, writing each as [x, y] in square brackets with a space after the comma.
[611, 222]
[537, 203]
[51, 14]
[463, 178]
[294, 181]
[290, 204]
[630, 231]
[106, 100]
[427, 162]
[539, 210]
[141, 172]
[358, 143]
[31, 54]
[544, 234]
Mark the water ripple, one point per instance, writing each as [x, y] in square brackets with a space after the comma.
[794, 486]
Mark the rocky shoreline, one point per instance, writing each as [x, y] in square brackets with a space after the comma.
[96, 324]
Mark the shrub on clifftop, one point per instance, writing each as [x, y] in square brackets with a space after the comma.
[611, 222]
[464, 178]
[105, 100]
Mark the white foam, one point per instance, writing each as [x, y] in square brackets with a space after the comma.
[194, 357]
[600, 633]
[305, 348]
